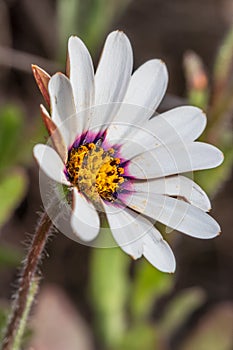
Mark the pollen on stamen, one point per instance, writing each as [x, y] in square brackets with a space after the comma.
[95, 171]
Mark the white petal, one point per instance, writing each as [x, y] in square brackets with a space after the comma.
[123, 131]
[173, 159]
[112, 75]
[81, 73]
[85, 219]
[63, 108]
[145, 92]
[127, 229]
[136, 236]
[176, 214]
[176, 185]
[179, 124]
[114, 69]
[158, 252]
[187, 121]
[147, 85]
[50, 163]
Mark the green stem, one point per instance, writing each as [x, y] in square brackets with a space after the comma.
[27, 287]
[23, 322]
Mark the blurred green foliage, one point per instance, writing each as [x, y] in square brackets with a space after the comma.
[13, 179]
[11, 127]
[9, 257]
[148, 285]
[90, 20]
[141, 336]
[12, 190]
[180, 308]
[16, 142]
[15, 154]
[109, 287]
[112, 290]
[3, 319]
[214, 94]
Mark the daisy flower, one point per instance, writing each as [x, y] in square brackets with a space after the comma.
[113, 154]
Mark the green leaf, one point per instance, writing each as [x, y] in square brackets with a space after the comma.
[180, 308]
[140, 337]
[149, 284]
[12, 190]
[11, 124]
[109, 286]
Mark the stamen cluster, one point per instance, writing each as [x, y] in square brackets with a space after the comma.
[94, 171]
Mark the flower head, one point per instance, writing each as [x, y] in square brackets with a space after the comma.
[114, 155]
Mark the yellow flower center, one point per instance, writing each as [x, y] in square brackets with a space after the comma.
[94, 171]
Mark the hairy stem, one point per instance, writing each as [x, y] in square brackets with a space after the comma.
[22, 303]
[23, 322]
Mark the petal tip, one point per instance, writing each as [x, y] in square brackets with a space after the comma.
[118, 34]
[162, 62]
[73, 39]
[172, 270]
[133, 257]
[119, 31]
[221, 156]
[168, 269]
[35, 67]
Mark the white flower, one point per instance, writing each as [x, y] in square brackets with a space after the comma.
[113, 156]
